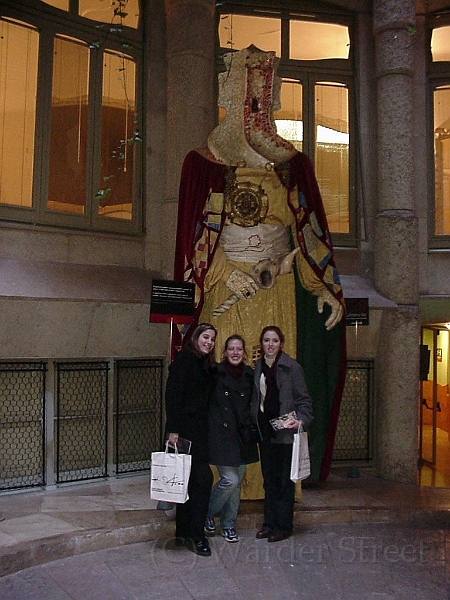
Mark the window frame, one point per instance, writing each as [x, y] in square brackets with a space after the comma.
[438, 75]
[308, 73]
[50, 22]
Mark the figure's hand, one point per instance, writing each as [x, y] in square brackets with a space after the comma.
[337, 310]
[242, 284]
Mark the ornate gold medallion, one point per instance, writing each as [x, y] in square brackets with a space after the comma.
[246, 204]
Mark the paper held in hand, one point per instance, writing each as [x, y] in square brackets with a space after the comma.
[279, 422]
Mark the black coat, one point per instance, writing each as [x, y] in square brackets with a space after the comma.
[225, 446]
[187, 401]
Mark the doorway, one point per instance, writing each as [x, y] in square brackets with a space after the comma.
[434, 407]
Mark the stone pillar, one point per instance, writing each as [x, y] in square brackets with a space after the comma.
[396, 245]
[191, 106]
[155, 128]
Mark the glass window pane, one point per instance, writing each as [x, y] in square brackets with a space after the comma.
[62, 4]
[332, 152]
[119, 137]
[18, 84]
[315, 41]
[440, 43]
[69, 126]
[118, 12]
[239, 31]
[289, 119]
[442, 159]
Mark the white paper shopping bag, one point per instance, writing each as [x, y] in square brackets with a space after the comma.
[300, 464]
[169, 476]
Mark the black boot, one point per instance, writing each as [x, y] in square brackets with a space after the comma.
[200, 547]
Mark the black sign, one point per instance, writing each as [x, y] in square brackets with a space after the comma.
[171, 301]
[357, 311]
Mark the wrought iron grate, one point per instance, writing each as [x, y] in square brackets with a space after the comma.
[138, 415]
[81, 420]
[22, 424]
[354, 435]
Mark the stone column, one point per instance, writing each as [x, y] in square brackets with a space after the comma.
[191, 106]
[155, 128]
[396, 244]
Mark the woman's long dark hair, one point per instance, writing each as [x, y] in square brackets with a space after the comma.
[193, 343]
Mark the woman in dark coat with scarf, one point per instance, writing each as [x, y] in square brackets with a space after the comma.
[229, 408]
[187, 404]
[280, 389]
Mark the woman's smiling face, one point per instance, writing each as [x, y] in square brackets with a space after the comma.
[234, 352]
[271, 344]
[206, 341]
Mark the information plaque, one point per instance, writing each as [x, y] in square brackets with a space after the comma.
[357, 311]
[171, 302]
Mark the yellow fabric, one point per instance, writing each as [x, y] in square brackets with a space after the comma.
[275, 306]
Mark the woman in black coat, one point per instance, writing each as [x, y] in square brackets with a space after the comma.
[187, 402]
[229, 407]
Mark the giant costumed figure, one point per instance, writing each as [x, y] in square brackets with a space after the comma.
[253, 236]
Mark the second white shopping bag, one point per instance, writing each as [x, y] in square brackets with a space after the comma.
[300, 464]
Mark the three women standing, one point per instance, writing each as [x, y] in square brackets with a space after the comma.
[280, 389]
[229, 408]
[193, 410]
[187, 401]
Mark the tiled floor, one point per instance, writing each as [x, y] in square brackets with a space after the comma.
[439, 474]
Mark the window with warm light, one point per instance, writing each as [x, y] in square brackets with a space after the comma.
[440, 90]
[70, 148]
[240, 31]
[440, 44]
[441, 98]
[332, 152]
[309, 40]
[317, 100]
[17, 112]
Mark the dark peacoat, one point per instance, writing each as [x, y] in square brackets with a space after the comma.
[230, 402]
[187, 401]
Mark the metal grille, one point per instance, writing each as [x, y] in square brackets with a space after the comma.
[81, 420]
[354, 436]
[138, 413]
[22, 410]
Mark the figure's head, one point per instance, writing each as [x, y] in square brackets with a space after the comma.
[271, 340]
[238, 84]
[234, 350]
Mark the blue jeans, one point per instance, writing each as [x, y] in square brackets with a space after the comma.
[226, 495]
